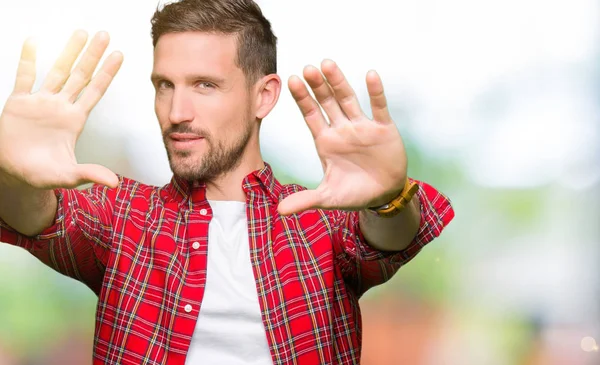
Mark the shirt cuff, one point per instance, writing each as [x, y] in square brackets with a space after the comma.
[9, 235]
[436, 214]
[57, 229]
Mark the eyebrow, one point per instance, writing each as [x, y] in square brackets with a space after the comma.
[155, 77]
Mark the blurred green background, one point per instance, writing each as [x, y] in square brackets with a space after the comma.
[498, 103]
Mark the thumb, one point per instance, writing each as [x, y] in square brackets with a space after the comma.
[98, 174]
[298, 202]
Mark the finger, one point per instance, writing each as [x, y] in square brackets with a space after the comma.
[299, 202]
[377, 96]
[100, 83]
[87, 173]
[324, 94]
[82, 74]
[342, 90]
[63, 65]
[308, 106]
[26, 70]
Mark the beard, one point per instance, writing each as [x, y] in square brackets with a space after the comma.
[220, 157]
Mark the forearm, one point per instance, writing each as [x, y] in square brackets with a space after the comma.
[394, 233]
[26, 209]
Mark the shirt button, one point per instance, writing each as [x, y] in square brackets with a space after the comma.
[188, 308]
[196, 245]
[203, 211]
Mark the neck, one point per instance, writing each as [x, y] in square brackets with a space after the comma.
[229, 185]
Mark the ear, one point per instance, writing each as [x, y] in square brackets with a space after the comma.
[268, 89]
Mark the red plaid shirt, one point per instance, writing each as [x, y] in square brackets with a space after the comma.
[134, 246]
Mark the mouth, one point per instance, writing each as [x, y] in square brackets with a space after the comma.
[183, 141]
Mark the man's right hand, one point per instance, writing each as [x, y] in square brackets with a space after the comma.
[38, 131]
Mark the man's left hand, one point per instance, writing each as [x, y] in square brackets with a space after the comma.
[364, 160]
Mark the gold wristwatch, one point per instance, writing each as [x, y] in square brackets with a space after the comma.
[397, 204]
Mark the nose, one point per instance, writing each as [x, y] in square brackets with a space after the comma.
[181, 107]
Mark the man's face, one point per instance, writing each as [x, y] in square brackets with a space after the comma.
[203, 104]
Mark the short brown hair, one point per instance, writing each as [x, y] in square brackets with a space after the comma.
[257, 45]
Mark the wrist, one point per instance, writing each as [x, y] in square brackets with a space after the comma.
[7, 181]
[398, 202]
[15, 185]
[385, 199]
[389, 196]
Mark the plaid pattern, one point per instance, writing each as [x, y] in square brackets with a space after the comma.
[134, 247]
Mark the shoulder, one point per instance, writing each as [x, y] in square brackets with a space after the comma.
[289, 189]
[127, 191]
[322, 214]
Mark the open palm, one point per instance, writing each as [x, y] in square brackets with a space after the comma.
[38, 131]
[363, 159]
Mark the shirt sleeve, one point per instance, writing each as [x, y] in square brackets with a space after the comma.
[78, 243]
[363, 266]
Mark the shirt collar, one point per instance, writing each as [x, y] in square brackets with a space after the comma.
[259, 183]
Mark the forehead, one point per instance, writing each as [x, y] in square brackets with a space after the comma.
[193, 52]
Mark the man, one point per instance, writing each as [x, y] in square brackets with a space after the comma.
[223, 265]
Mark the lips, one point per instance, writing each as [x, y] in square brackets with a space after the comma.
[184, 141]
[184, 137]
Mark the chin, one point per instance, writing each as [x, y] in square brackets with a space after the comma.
[184, 165]
[185, 172]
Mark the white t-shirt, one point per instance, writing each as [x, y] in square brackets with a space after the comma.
[229, 328]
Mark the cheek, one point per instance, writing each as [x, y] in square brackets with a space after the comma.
[217, 113]
[161, 109]
[225, 117]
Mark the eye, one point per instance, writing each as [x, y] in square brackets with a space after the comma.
[163, 84]
[204, 85]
